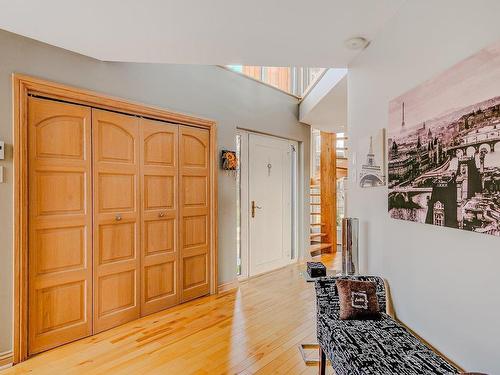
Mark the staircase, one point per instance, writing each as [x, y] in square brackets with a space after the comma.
[317, 247]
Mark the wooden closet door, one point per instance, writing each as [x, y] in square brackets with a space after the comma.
[159, 216]
[194, 212]
[116, 219]
[60, 224]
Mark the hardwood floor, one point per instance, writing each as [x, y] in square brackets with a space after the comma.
[253, 330]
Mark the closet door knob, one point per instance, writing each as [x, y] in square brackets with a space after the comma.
[161, 214]
[118, 217]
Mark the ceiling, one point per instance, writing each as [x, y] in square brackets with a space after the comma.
[258, 32]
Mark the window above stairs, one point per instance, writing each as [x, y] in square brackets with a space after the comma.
[296, 81]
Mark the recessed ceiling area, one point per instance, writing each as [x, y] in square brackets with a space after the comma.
[325, 106]
[263, 32]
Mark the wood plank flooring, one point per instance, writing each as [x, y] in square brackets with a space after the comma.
[253, 330]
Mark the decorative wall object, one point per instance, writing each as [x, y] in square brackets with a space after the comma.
[229, 161]
[350, 235]
[444, 148]
[371, 160]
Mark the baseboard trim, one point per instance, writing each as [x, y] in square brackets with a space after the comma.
[226, 287]
[6, 359]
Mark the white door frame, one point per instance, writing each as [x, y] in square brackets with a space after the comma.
[244, 204]
[297, 251]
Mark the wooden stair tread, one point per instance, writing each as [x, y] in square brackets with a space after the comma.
[316, 213]
[321, 246]
[318, 249]
[315, 204]
[319, 234]
[317, 224]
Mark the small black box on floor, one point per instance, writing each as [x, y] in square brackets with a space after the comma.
[316, 269]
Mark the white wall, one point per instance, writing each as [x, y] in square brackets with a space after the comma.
[206, 91]
[445, 283]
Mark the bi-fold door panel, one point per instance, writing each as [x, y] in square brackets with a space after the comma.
[194, 212]
[159, 216]
[119, 222]
[60, 224]
[116, 219]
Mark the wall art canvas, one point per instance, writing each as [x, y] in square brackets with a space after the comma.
[444, 148]
[371, 160]
[229, 160]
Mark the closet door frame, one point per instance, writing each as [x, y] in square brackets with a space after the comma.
[24, 86]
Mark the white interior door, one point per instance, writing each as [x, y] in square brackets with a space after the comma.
[270, 193]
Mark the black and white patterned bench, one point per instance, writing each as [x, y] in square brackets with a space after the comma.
[375, 347]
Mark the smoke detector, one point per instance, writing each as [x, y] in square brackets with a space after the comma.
[356, 43]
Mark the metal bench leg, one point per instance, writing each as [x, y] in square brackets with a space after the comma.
[322, 362]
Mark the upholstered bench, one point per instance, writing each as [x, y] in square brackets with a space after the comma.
[375, 347]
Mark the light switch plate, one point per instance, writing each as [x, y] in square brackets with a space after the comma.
[2, 150]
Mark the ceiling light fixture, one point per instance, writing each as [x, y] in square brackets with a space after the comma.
[356, 43]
